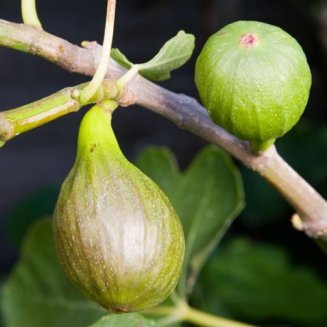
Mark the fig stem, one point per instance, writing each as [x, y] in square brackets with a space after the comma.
[102, 68]
[261, 146]
[108, 105]
[29, 13]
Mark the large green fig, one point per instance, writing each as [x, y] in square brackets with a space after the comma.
[254, 80]
[117, 236]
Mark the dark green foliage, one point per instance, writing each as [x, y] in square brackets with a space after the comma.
[207, 197]
[310, 160]
[27, 210]
[38, 294]
[257, 282]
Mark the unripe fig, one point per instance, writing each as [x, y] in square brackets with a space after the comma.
[117, 236]
[254, 80]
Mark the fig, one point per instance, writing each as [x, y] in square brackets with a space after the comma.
[117, 236]
[254, 80]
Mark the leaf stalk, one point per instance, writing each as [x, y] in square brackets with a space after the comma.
[29, 13]
[101, 71]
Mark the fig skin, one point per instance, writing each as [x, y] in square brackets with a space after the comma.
[117, 236]
[254, 80]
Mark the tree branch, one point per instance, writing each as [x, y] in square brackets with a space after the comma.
[182, 110]
[22, 119]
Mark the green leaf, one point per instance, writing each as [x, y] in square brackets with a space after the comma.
[263, 203]
[161, 165]
[258, 283]
[38, 204]
[120, 58]
[38, 294]
[125, 320]
[311, 160]
[1, 313]
[174, 54]
[207, 197]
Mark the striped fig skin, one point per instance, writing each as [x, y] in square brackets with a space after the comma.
[117, 236]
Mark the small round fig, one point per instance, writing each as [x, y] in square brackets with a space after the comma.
[254, 80]
[117, 236]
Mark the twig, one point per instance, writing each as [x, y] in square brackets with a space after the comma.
[22, 119]
[184, 111]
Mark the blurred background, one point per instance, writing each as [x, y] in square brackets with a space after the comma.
[33, 165]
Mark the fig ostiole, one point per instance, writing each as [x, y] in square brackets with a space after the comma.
[254, 80]
[117, 236]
